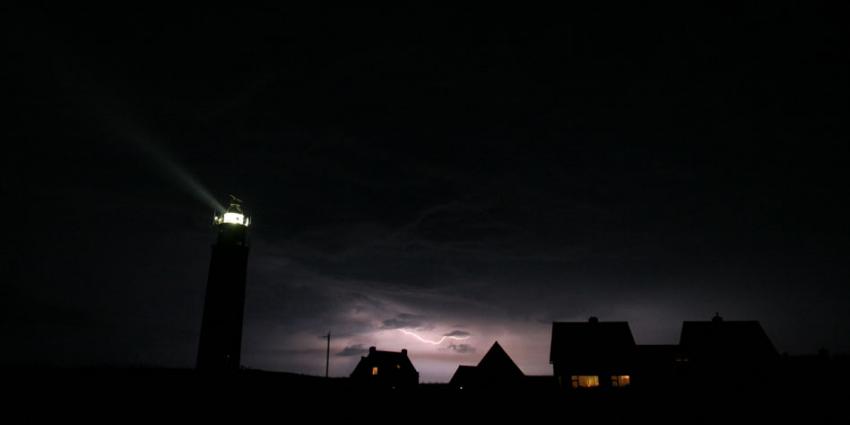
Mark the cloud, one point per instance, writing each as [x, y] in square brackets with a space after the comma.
[458, 333]
[352, 350]
[404, 320]
[461, 348]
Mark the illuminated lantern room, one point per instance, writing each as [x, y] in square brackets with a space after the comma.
[232, 224]
[233, 214]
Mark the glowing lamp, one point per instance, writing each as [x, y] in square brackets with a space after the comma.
[232, 218]
[233, 215]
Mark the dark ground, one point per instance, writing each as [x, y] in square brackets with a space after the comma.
[166, 395]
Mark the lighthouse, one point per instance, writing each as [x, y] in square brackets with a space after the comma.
[221, 330]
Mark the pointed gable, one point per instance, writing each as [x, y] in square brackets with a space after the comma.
[497, 362]
[592, 345]
[495, 371]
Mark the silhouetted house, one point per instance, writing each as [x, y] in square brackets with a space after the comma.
[386, 369]
[592, 354]
[727, 352]
[496, 370]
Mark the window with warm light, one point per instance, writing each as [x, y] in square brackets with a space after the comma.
[620, 380]
[585, 381]
[374, 370]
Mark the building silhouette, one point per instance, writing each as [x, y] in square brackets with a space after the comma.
[721, 352]
[717, 353]
[592, 354]
[386, 369]
[221, 330]
[496, 370]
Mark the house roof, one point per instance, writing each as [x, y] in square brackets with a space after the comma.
[592, 344]
[719, 338]
[464, 375]
[495, 368]
[384, 359]
[498, 362]
[388, 357]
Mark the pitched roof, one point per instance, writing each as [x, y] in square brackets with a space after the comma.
[726, 339]
[464, 375]
[388, 357]
[498, 362]
[592, 343]
[495, 370]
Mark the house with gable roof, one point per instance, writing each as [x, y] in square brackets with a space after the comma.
[593, 354]
[386, 369]
[495, 370]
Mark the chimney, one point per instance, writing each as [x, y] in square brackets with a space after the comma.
[404, 352]
[716, 318]
[371, 350]
[593, 319]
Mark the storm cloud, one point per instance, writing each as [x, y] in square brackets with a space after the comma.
[404, 320]
[353, 350]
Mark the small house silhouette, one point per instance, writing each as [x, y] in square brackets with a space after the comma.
[726, 352]
[386, 369]
[495, 370]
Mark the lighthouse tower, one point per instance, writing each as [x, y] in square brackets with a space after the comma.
[221, 329]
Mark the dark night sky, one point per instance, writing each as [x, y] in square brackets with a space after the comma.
[436, 170]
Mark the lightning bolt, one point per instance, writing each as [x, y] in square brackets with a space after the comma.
[431, 341]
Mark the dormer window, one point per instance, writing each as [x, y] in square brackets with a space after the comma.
[375, 371]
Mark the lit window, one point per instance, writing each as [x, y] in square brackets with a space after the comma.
[620, 380]
[585, 381]
[374, 370]
[398, 366]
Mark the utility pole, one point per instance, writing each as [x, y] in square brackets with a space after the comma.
[328, 354]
